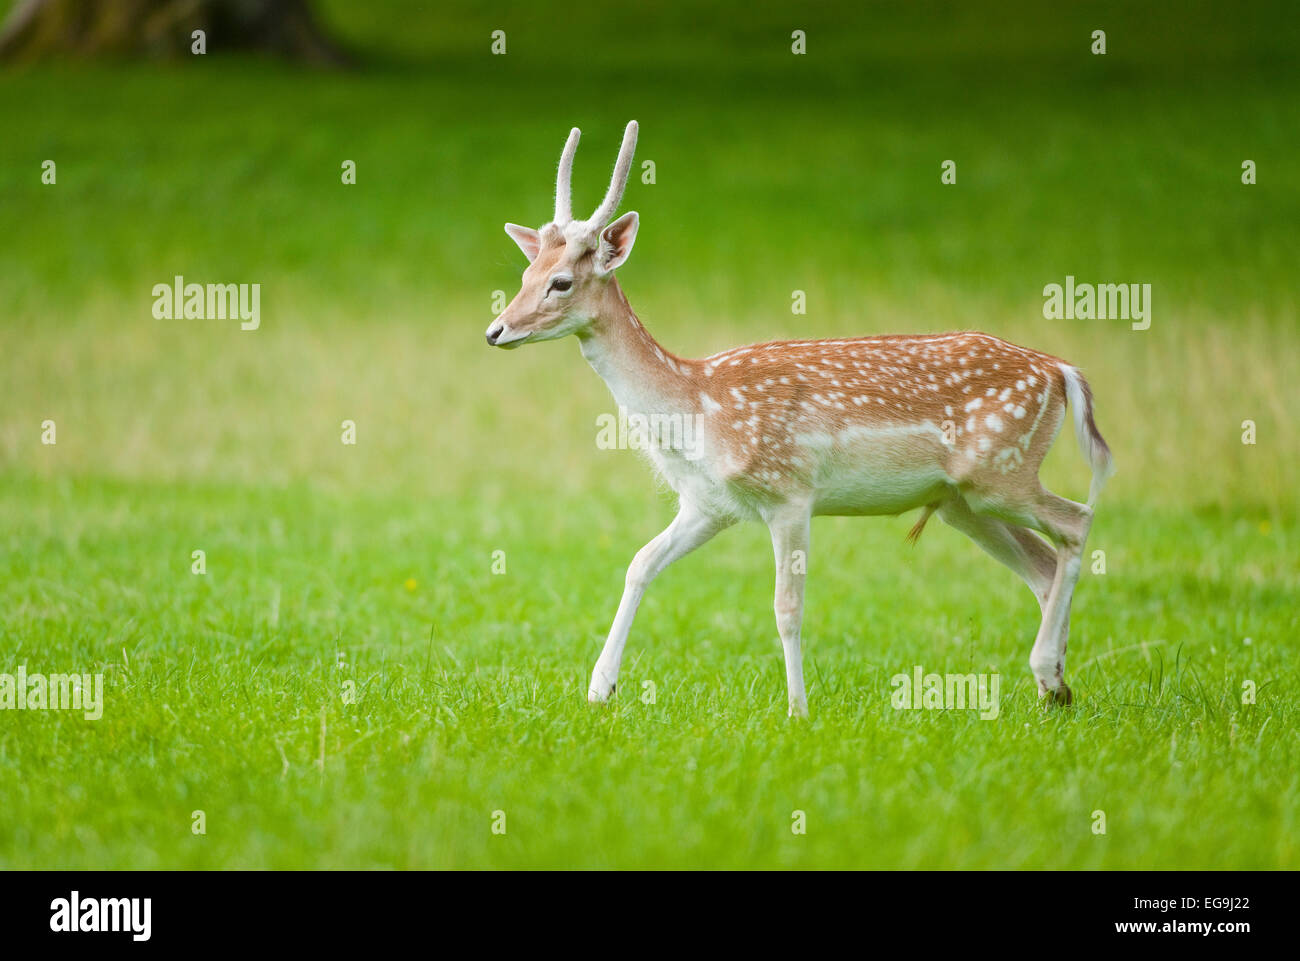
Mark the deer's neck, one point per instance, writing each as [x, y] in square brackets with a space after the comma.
[642, 376]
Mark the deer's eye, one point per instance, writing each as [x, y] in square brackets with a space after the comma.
[561, 283]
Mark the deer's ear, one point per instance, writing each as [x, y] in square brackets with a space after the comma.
[529, 240]
[616, 242]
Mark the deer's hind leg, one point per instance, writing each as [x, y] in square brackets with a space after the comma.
[1020, 549]
[1066, 523]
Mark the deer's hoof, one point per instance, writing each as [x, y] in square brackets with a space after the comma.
[1061, 697]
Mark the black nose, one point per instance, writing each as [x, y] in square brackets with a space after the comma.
[493, 333]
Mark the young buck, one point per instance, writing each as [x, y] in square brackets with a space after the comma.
[956, 424]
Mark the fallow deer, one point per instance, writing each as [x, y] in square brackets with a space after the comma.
[955, 424]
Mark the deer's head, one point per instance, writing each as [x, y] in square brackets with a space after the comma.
[570, 262]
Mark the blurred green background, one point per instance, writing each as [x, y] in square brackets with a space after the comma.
[372, 563]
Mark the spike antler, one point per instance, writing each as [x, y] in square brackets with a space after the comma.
[618, 182]
[563, 191]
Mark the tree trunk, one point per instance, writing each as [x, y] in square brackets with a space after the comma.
[162, 29]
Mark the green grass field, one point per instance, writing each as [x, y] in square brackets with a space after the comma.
[373, 563]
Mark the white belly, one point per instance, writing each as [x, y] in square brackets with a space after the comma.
[879, 471]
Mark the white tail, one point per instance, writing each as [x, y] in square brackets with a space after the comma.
[1094, 447]
[955, 424]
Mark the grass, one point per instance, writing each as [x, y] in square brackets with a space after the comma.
[373, 564]
[224, 695]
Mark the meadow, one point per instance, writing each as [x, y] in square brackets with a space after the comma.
[376, 568]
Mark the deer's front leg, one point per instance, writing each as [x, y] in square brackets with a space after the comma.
[790, 539]
[689, 529]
